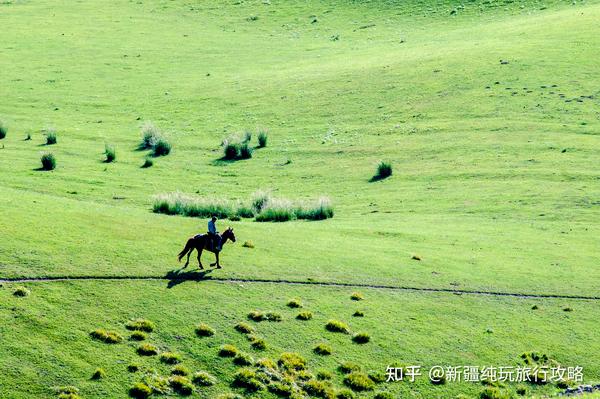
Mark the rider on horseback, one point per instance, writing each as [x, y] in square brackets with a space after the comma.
[213, 234]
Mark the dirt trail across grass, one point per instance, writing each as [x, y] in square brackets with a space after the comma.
[175, 278]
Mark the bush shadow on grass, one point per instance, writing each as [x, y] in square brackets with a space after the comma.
[179, 276]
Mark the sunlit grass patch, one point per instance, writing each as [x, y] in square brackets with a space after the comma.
[109, 337]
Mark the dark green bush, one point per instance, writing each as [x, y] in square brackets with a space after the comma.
[273, 316]
[181, 385]
[147, 350]
[231, 150]
[161, 148]
[140, 391]
[245, 151]
[204, 330]
[262, 138]
[384, 169]
[109, 337]
[3, 130]
[203, 379]
[51, 137]
[140, 325]
[322, 349]
[48, 161]
[110, 153]
[133, 368]
[280, 389]
[358, 381]
[337, 326]
[170, 358]
[148, 162]
[245, 212]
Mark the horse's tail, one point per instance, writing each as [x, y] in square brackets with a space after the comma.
[188, 247]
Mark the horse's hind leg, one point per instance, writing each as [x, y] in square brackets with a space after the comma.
[187, 262]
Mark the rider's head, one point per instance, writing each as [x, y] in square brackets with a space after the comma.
[213, 218]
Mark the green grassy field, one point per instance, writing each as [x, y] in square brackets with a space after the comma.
[494, 186]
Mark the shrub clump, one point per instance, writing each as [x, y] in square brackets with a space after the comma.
[383, 395]
[262, 138]
[133, 368]
[170, 358]
[51, 137]
[358, 381]
[337, 326]
[140, 325]
[148, 162]
[344, 394]
[244, 328]
[110, 153]
[243, 359]
[258, 343]
[324, 375]
[21, 292]
[256, 315]
[322, 349]
[359, 313]
[294, 303]
[138, 336]
[48, 161]
[273, 316]
[109, 337]
[181, 385]
[3, 130]
[348, 367]
[246, 378]
[99, 374]
[140, 391]
[248, 244]
[357, 296]
[361, 338]
[384, 170]
[204, 379]
[291, 361]
[147, 350]
[306, 315]
[161, 148]
[228, 351]
[180, 370]
[204, 330]
[319, 389]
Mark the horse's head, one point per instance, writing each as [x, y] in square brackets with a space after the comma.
[229, 235]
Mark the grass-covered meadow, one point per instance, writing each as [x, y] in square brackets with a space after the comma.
[441, 145]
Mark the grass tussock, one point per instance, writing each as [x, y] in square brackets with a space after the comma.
[273, 316]
[361, 338]
[48, 161]
[181, 385]
[306, 315]
[228, 350]
[383, 395]
[170, 358]
[110, 153]
[358, 381]
[147, 350]
[203, 379]
[262, 138]
[318, 389]
[108, 337]
[140, 325]
[359, 313]
[204, 330]
[248, 244]
[236, 148]
[133, 368]
[98, 374]
[148, 162]
[244, 328]
[324, 375]
[348, 367]
[291, 361]
[140, 391]
[323, 349]
[247, 378]
[384, 170]
[138, 336]
[256, 315]
[153, 139]
[294, 303]
[21, 292]
[243, 359]
[180, 370]
[51, 137]
[180, 204]
[357, 296]
[3, 130]
[337, 326]
[344, 394]
[257, 343]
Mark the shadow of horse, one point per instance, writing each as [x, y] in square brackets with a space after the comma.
[179, 276]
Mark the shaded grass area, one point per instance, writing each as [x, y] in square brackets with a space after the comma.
[38, 334]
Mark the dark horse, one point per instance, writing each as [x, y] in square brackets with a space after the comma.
[201, 242]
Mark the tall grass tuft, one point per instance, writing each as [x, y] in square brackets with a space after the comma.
[110, 153]
[262, 138]
[161, 148]
[148, 162]
[3, 130]
[235, 148]
[245, 151]
[260, 200]
[384, 169]
[51, 136]
[179, 204]
[48, 161]
[320, 210]
[150, 135]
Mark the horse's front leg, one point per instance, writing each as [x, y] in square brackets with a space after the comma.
[199, 261]
[217, 262]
